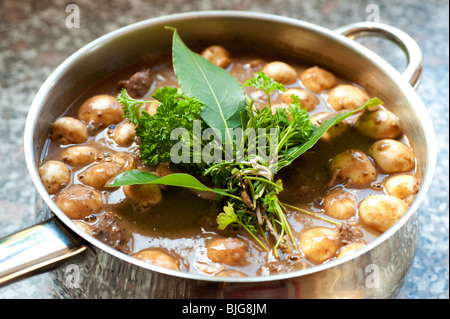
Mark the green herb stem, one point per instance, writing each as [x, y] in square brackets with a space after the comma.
[312, 214]
[255, 238]
[282, 217]
[261, 179]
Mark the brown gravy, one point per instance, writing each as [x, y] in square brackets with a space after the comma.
[183, 223]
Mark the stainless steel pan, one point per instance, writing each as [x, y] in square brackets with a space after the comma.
[83, 267]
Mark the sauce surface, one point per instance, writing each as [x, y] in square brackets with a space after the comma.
[183, 223]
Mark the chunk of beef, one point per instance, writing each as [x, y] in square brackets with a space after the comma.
[138, 85]
[108, 230]
[292, 263]
[350, 234]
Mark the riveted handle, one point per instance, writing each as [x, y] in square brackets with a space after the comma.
[36, 249]
[414, 68]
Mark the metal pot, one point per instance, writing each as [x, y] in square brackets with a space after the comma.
[83, 267]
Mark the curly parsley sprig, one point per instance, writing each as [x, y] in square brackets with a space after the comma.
[175, 110]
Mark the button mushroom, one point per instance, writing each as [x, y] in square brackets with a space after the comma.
[101, 109]
[380, 212]
[143, 196]
[348, 97]
[319, 244]
[79, 201]
[217, 55]
[123, 134]
[157, 258]
[353, 167]
[79, 155]
[317, 79]
[340, 204]
[69, 130]
[98, 174]
[402, 186]
[231, 251]
[379, 124]
[392, 156]
[280, 72]
[54, 175]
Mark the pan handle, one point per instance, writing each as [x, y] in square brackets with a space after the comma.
[36, 249]
[414, 69]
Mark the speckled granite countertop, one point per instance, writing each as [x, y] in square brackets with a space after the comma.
[34, 39]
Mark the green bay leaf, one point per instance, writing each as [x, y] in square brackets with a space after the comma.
[317, 133]
[134, 177]
[222, 94]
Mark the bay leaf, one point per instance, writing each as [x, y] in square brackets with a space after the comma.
[317, 133]
[222, 94]
[134, 177]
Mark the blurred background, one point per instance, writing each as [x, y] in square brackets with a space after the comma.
[36, 36]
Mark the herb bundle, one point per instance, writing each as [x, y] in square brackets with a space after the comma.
[244, 167]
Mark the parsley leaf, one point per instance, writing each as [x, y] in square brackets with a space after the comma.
[265, 83]
[131, 107]
[175, 110]
[229, 217]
